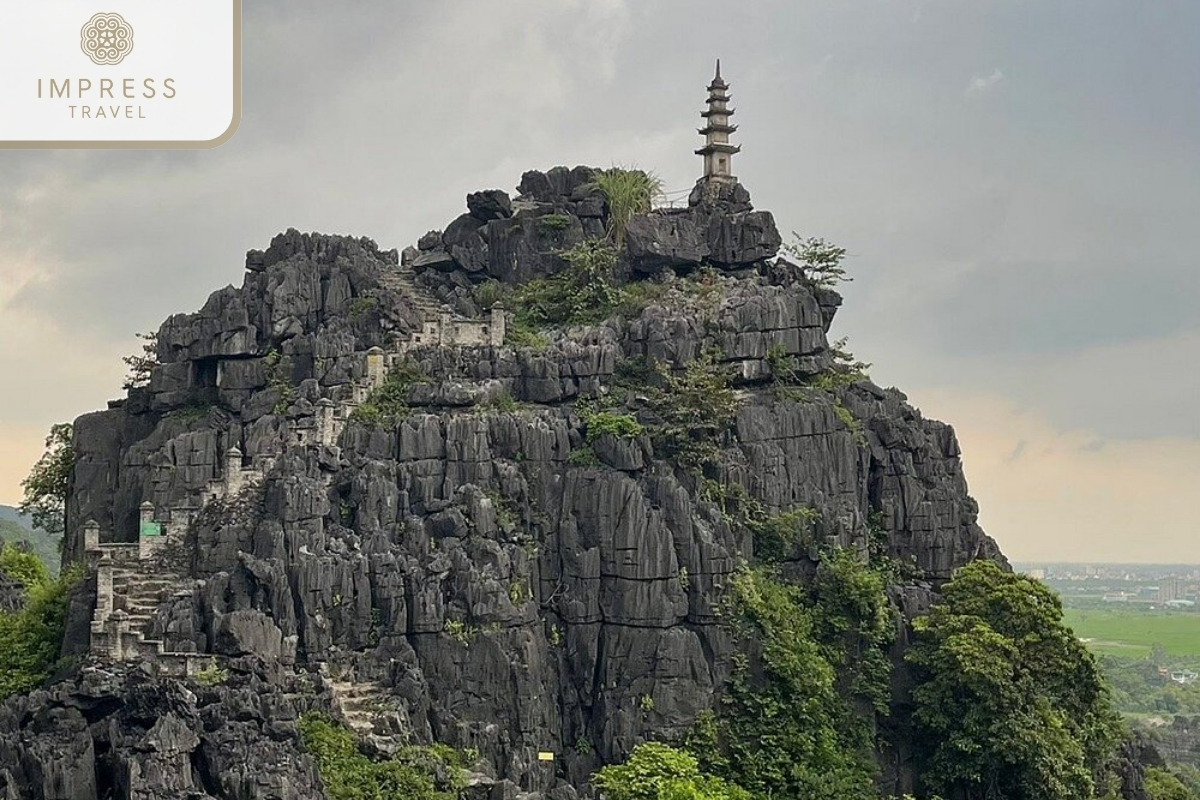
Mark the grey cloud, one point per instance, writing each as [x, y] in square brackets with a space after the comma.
[988, 238]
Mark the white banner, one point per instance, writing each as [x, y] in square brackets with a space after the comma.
[120, 73]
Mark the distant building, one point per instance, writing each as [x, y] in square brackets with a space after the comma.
[1170, 589]
[1038, 574]
[1116, 597]
[1183, 676]
[1180, 603]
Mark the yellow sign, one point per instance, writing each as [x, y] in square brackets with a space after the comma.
[544, 756]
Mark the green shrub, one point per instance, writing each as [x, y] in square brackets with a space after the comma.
[553, 223]
[212, 674]
[583, 456]
[279, 379]
[518, 592]
[31, 637]
[779, 536]
[436, 772]
[361, 306]
[810, 658]
[634, 373]
[500, 401]
[22, 566]
[488, 294]
[622, 426]
[1162, 785]
[522, 333]
[696, 407]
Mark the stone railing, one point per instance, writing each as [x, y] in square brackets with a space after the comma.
[116, 633]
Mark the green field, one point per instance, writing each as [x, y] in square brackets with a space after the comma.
[1132, 633]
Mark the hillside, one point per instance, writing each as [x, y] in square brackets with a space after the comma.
[15, 528]
[543, 487]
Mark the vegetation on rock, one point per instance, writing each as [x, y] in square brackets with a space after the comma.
[582, 293]
[388, 404]
[809, 654]
[414, 773]
[629, 192]
[696, 407]
[141, 365]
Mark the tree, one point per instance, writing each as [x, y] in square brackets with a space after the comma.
[1009, 704]
[1162, 785]
[657, 771]
[49, 482]
[142, 366]
[820, 260]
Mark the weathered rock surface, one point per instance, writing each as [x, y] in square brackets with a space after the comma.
[117, 732]
[507, 596]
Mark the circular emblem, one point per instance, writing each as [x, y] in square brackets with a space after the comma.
[106, 39]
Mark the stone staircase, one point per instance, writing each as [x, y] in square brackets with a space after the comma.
[139, 593]
[371, 712]
[404, 281]
[440, 325]
[133, 580]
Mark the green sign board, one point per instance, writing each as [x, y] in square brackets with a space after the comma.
[151, 529]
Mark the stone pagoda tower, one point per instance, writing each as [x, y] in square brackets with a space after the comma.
[717, 151]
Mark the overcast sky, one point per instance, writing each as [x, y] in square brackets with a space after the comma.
[1018, 184]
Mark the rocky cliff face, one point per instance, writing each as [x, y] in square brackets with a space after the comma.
[491, 573]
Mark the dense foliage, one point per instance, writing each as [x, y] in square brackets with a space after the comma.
[656, 771]
[49, 482]
[1009, 704]
[31, 637]
[796, 722]
[1162, 785]
[1138, 687]
[413, 773]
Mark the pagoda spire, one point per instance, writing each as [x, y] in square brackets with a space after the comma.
[717, 151]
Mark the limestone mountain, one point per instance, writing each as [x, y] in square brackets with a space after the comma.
[489, 492]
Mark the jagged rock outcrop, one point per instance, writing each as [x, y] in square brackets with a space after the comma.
[117, 732]
[510, 596]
